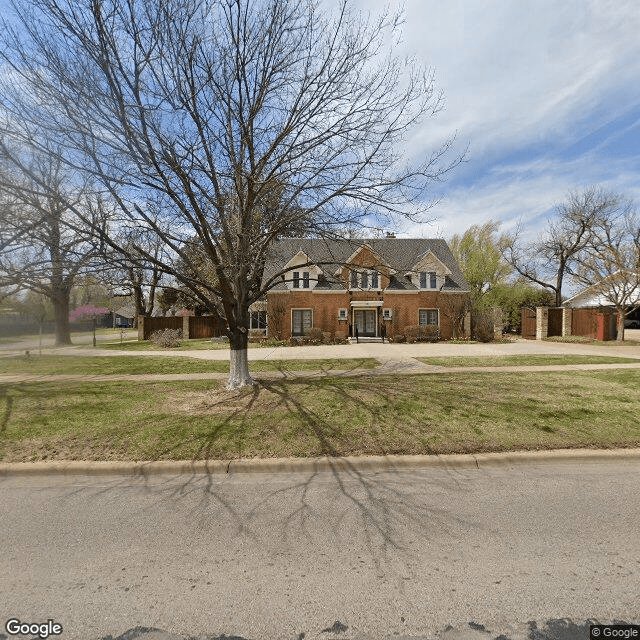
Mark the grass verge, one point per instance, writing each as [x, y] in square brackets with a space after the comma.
[523, 360]
[129, 365]
[450, 413]
[187, 345]
[598, 343]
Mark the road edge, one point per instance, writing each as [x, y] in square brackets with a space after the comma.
[353, 464]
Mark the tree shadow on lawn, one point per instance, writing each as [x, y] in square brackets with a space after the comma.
[387, 507]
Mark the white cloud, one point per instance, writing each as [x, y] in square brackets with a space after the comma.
[517, 73]
[526, 79]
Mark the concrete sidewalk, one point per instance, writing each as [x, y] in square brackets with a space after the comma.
[390, 367]
[378, 351]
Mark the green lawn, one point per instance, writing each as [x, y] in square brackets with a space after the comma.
[523, 360]
[449, 413]
[587, 340]
[132, 344]
[109, 365]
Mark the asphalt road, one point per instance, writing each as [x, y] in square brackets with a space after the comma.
[348, 555]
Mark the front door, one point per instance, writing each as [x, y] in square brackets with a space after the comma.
[365, 322]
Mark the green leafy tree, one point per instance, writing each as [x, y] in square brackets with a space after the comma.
[477, 251]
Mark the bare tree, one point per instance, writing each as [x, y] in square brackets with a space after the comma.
[548, 261]
[214, 106]
[610, 264]
[48, 247]
[130, 273]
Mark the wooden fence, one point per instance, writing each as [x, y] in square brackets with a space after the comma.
[205, 327]
[191, 326]
[554, 327]
[528, 322]
[594, 322]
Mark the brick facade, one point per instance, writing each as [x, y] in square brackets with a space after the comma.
[325, 305]
[364, 279]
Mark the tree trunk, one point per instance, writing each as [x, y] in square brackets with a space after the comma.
[620, 325]
[138, 300]
[239, 375]
[61, 317]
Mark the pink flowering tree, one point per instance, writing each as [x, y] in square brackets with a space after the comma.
[88, 312]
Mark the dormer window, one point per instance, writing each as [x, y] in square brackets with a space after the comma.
[428, 280]
[364, 280]
[300, 279]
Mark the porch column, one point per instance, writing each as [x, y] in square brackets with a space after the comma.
[542, 322]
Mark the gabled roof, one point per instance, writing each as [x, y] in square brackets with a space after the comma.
[400, 254]
[600, 293]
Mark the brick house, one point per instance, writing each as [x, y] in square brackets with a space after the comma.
[370, 287]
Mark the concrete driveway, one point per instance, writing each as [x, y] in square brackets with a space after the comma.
[399, 352]
[385, 352]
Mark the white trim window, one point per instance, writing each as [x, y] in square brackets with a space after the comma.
[342, 314]
[365, 280]
[301, 320]
[428, 280]
[428, 316]
[301, 280]
[258, 320]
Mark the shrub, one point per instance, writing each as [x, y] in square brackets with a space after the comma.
[314, 335]
[422, 333]
[483, 329]
[167, 338]
[274, 342]
[411, 334]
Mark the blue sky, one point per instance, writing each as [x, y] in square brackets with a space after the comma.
[546, 94]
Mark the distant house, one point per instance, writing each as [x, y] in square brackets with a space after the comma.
[619, 289]
[122, 317]
[368, 288]
[605, 293]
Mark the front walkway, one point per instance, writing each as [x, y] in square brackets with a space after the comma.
[390, 367]
[393, 358]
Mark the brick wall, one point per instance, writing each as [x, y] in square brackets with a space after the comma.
[325, 308]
